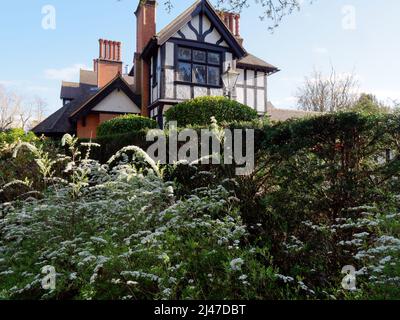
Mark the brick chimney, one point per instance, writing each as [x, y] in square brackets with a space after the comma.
[145, 31]
[232, 21]
[109, 63]
[145, 23]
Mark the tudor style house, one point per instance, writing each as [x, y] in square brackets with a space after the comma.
[185, 60]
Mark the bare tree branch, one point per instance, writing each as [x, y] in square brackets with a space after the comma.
[16, 111]
[8, 109]
[336, 92]
[272, 10]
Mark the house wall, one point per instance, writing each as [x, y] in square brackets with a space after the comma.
[86, 127]
[118, 102]
[199, 33]
[251, 89]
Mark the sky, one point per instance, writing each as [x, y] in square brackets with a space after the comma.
[352, 36]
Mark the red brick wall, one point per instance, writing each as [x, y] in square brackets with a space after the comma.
[93, 120]
[87, 130]
[107, 71]
[146, 24]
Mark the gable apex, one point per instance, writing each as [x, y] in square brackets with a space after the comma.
[200, 9]
[118, 83]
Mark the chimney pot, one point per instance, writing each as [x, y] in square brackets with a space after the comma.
[109, 64]
[237, 20]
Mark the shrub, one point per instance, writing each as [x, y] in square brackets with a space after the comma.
[200, 110]
[119, 233]
[311, 175]
[322, 197]
[125, 124]
[22, 168]
[13, 135]
[110, 144]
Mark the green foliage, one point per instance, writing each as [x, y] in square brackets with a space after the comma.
[23, 168]
[110, 144]
[125, 235]
[369, 104]
[324, 195]
[310, 176]
[13, 135]
[125, 124]
[199, 111]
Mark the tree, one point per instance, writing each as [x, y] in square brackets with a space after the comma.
[9, 104]
[18, 112]
[337, 92]
[369, 104]
[272, 10]
[38, 108]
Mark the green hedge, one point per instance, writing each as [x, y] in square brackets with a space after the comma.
[200, 110]
[125, 124]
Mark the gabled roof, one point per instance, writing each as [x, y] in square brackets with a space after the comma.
[88, 77]
[61, 121]
[74, 90]
[277, 114]
[200, 6]
[117, 83]
[58, 122]
[252, 62]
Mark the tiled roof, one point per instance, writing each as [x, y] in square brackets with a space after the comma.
[88, 77]
[177, 23]
[286, 114]
[60, 121]
[251, 61]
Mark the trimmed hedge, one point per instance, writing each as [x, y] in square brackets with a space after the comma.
[200, 110]
[125, 124]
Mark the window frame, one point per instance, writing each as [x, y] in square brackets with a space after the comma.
[154, 71]
[192, 62]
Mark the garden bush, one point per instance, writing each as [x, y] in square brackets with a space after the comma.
[324, 194]
[199, 111]
[113, 232]
[23, 168]
[125, 124]
[13, 135]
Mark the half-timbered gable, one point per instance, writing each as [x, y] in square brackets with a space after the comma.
[188, 57]
[184, 60]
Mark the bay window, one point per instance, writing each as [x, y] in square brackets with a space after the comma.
[198, 67]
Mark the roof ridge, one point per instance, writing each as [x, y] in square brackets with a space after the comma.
[195, 4]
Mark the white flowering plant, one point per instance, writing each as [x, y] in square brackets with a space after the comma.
[115, 231]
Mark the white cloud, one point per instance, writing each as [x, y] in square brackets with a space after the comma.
[9, 83]
[38, 89]
[385, 95]
[67, 74]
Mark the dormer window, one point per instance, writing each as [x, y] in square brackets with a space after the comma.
[199, 67]
[66, 101]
